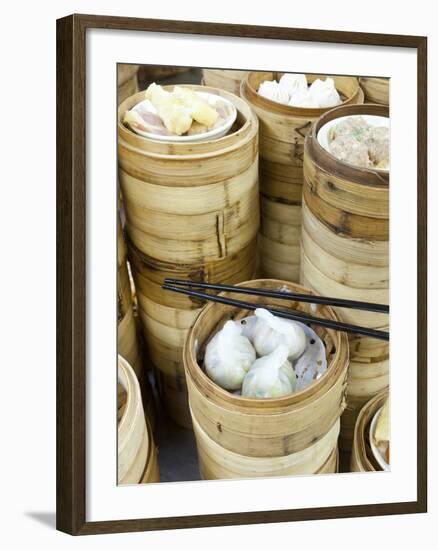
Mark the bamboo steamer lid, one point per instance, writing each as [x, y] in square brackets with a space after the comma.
[264, 427]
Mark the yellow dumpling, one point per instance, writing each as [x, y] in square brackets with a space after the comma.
[198, 108]
[175, 116]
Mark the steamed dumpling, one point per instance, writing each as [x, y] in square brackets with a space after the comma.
[302, 98]
[228, 357]
[272, 90]
[175, 116]
[324, 93]
[270, 376]
[199, 109]
[272, 331]
[293, 83]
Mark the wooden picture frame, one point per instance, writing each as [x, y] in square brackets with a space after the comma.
[71, 273]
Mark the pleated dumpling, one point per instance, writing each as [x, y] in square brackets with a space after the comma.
[272, 331]
[272, 90]
[270, 376]
[229, 356]
[293, 83]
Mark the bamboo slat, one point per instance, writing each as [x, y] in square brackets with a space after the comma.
[216, 462]
[127, 81]
[376, 89]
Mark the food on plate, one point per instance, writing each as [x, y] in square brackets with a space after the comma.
[181, 112]
[357, 142]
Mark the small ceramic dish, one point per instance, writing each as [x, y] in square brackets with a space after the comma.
[216, 133]
[373, 120]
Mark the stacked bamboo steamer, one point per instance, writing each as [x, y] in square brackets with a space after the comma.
[362, 459]
[137, 455]
[282, 132]
[128, 345]
[376, 89]
[345, 254]
[224, 79]
[127, 341]
[193, 213]
[127, 81]
[239, 437]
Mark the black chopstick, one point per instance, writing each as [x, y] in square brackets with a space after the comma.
[294, 316]
[278, 294]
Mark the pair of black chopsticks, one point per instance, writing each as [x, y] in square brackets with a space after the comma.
[177, 285]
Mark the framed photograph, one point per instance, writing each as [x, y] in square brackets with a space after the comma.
[241, 274]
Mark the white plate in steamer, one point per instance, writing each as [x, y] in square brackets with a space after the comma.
[217, 133]
[373, 120]
[376, 453]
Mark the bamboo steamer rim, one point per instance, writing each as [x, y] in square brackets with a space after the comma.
[328, 163]
[200, 378]
[365, 416]
[219, 146]
[128, 380]
[251, 83]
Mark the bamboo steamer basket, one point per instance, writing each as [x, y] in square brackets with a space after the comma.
[191, 202]
[166, 318]
[362, 459]
[192, 212]
[345, 254]
[279, 239]
[216, 462]
[127, 81]
[376, 89]
[128, 344]
[137, 462]
[265, 427]
[224, 79]
[282, 132]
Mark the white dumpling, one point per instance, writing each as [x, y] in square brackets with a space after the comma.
[324, 93]
[293, 83]
[273, 91]
[270, 376]
[228, 357]
[302, 98]
[272, 331]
